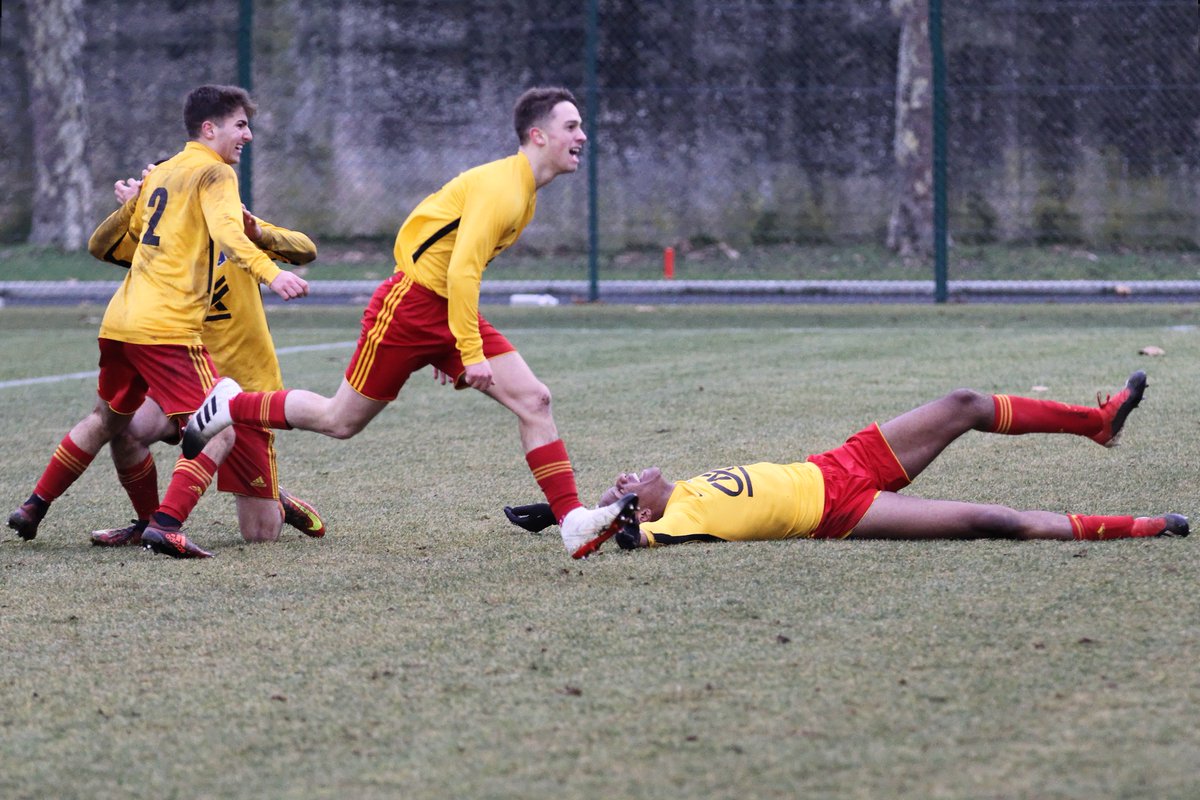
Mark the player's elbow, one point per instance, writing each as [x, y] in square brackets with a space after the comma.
[305, 252]
[96, 248]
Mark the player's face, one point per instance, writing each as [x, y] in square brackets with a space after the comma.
[635, 482]
[564, 137]
[229, 136]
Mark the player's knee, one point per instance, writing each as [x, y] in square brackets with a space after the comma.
[260, 533]
[997, 522]
[967, 398]
[343, 428]
[535, 402]
[261, 527]
[970, 403]
[123, 443]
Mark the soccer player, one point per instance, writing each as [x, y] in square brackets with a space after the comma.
[238, 339]
[150, 337]
[427, 312]
[852, 491]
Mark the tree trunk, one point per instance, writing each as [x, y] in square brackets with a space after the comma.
[62, 183]
[910, 229]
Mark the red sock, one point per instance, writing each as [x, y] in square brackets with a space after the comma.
[188, 483]
[66, 465]
[264, 409]
[1017, 415]
[552, 470]
[141, 484]
[1096, 528]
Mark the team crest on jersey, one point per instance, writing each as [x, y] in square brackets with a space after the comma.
[732, 481]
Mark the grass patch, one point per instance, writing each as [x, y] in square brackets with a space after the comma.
[372, 260]
[427, 649]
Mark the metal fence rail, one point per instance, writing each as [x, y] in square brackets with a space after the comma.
[556, 292]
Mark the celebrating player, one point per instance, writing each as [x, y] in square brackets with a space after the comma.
[238, 339]
[852, 490]
[428, 313]
[150, 337]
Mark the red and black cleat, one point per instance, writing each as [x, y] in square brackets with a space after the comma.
[171, 543]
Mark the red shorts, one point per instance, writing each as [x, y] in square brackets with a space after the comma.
[176, 376]
[405, 328]
[250, 469]
[855, 474]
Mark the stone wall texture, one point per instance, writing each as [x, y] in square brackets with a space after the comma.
[734, 120]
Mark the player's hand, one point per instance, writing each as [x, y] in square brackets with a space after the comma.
[289, 285]
[443, 377]
[252, 228]
[127, 189]
[479, 376]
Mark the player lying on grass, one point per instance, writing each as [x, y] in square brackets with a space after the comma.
[853, 490]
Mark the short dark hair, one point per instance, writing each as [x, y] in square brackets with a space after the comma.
[214, 103]
[535, 105]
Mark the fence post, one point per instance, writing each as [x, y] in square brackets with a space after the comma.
[939, 151]
[245, 59]
[593, 103]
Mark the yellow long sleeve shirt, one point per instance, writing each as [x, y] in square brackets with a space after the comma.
[235, 331]
[745, 503]
[450, 237]
[188, 212]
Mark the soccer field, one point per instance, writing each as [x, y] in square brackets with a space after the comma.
[425, 648]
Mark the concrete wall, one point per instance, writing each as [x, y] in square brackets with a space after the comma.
[739, 120]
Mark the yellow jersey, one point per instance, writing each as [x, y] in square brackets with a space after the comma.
[744, 503]
[450, 237]
[188, 212]
[235, 330]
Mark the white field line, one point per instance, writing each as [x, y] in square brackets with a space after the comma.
[72, 376]
[306, 348]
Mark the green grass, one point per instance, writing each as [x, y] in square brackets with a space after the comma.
[372, 260]
[427, 649]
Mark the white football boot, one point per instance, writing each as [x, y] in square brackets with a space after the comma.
[211, 418]
[585, 529]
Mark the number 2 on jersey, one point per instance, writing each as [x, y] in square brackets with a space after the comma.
[157, 201]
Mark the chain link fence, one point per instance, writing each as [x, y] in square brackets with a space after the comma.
[764, 131]
[1073, 124]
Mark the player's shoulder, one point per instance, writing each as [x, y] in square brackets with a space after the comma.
[216, 170]
[500, 181]
[190, 168]
[501, 169]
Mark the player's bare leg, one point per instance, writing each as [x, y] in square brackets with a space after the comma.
[518, 389]
[896, 516]
[919, 436]
[341, 416]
